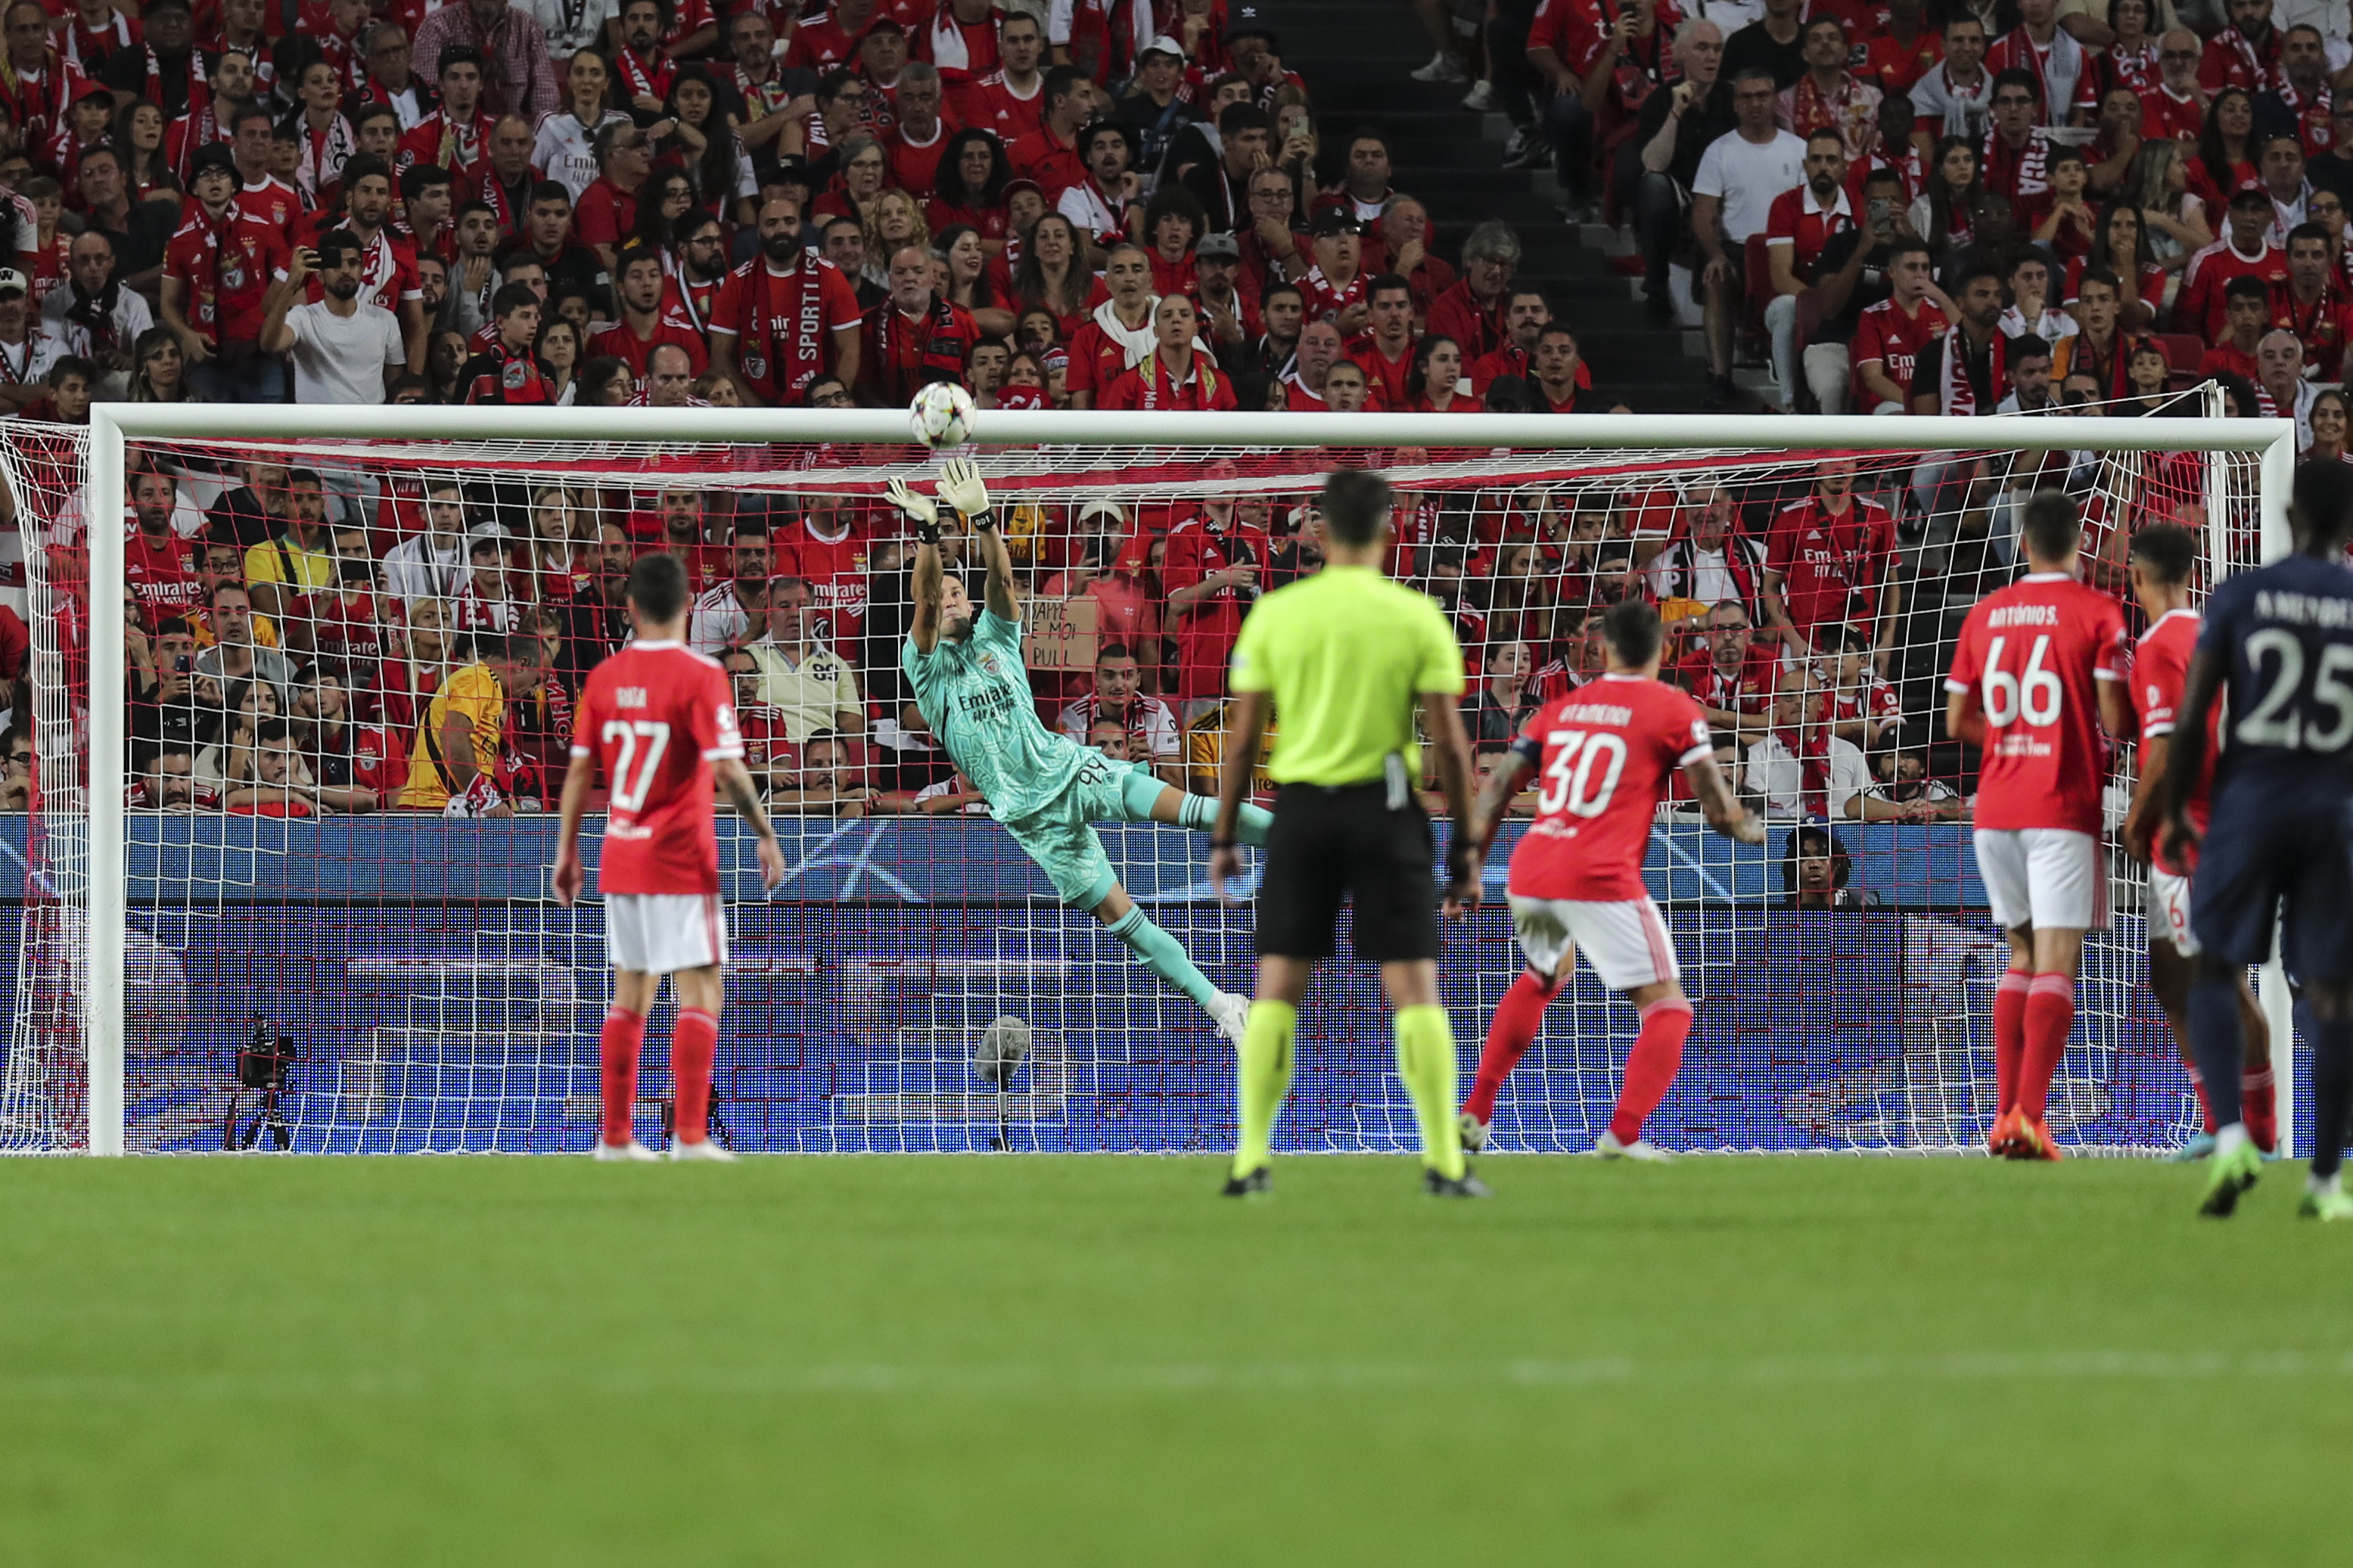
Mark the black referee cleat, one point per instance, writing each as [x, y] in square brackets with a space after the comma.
[1468, 1187]
[1258, 1183]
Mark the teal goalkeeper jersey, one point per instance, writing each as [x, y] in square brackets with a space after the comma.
[975, 695]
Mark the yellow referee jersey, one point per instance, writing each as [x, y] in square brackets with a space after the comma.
[1347, 654]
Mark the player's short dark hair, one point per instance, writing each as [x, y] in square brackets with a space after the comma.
[2167, 551]
[417, 177]
[2322, 507]
[2052, 524]
[1354, 505]
[1634, 630]
[1387, 282]
[658, 585]
[2103, 276]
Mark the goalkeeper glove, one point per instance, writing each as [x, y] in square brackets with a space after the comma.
[960, 486]
[917, 507]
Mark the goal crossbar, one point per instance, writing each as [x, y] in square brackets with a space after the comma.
[113, 426]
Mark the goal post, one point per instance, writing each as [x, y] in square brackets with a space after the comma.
[2244, 478]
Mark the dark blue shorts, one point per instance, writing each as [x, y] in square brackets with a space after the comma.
[2259, 858]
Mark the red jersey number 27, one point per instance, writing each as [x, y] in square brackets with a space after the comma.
[2034, 694]
[630, 790]
[1569, 782]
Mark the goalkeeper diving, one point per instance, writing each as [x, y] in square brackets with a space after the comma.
[966, 670]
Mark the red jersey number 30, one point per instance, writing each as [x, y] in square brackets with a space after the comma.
[1583, 773]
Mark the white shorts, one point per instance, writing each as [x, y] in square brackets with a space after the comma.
[1626, 942]
[2169, 910]
[662, 933]
[2048, 877]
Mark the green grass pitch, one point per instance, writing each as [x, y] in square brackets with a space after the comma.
[1095, 1361]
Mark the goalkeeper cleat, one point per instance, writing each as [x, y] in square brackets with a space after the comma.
[1641, 1151]
[1232, 1015]
[621, 1153]
[2231, 1172]
[702, 1148]
[2189, 1153]
[1258, 1183]
[1474, 1133]
[1465, 1185]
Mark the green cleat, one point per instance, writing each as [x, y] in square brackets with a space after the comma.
[2229, 1176]
[1258, 1183]
[2325, 1204]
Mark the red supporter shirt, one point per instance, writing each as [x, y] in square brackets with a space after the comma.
[1797, 222]
[379, 761]
[1884, 332]
[618, 339]
[1604, 755]
[835, 570]
[1055, 165]
[1747, 691]
[1149, 385]
[1326, 299]
[164, 576]
[228, 267]
[1011, 117]
[1097, 359]
[2200, 306]
[1895, 67]
[656, 715]
[822, 45]
[605, 214]
[2164, 117]
[462, 147]
[2035, 653]
[1206, 627]
[1388, 378]
[1831, 568]
[2160, 670]
[2323, 327]
[784, 322]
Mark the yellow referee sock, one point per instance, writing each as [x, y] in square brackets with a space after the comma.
[1261, 1078]
[1425, 1057]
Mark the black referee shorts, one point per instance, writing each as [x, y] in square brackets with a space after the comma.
[1328, 845]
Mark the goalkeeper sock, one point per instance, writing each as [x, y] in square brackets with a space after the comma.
[2214, 1039]
[1162, 954]
[1651, 1066]
[693, 1046]
[1425, 1060]
[1517, 1018]
[2260, 1106]
[1261, 1078]
[1199, 813]
[623, 1036]
[2050, 1013]
[2009, 1036]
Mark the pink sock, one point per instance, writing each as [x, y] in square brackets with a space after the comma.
[693, 1045]
[1517, 1018]
[617, 1044]
[1650, 1067]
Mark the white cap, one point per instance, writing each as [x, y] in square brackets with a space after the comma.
[1163, 45]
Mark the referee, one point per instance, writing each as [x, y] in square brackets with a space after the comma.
[1348, 657]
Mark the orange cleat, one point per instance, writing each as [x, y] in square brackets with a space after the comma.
[2035, 1142]
[2002, 1140]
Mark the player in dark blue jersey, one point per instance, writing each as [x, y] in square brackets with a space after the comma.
[2279, 639]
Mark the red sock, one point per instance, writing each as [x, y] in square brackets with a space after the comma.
[2205, 1107]
[2050, 1013]
[1650, 1067]
[693, 1045]
[1517, 1018]
[2259, 1108]
[2009, 1036]
[624, 1033]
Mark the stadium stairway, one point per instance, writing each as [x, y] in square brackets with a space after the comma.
[1356, 57]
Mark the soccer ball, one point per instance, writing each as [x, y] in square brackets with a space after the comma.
[941, 414]
[1002, 1046]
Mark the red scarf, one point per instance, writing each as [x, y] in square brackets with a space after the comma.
[85, 49]
[228, 275]
[768, 311]
[640, 80]
[322, 156]
[501, 201]
[939, 352]
[1955, 392]
[1810, 745]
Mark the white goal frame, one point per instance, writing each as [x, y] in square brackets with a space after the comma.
[112, 425]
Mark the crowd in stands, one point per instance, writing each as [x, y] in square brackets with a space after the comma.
[1915, 207]
[1118, 204]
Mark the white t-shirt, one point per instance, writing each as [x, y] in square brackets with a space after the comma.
[1746, 175]
[341, 359]
[565, 149]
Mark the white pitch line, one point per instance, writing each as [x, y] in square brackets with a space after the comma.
[1042, 1379]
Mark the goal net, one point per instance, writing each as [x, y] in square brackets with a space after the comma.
[297, 601]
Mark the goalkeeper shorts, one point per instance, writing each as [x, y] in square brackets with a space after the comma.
[1060, 837]
[662, 933]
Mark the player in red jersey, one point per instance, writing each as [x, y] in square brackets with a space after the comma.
[1605, 754]
[2039, 672]
[2163, 556]
[660, 718]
